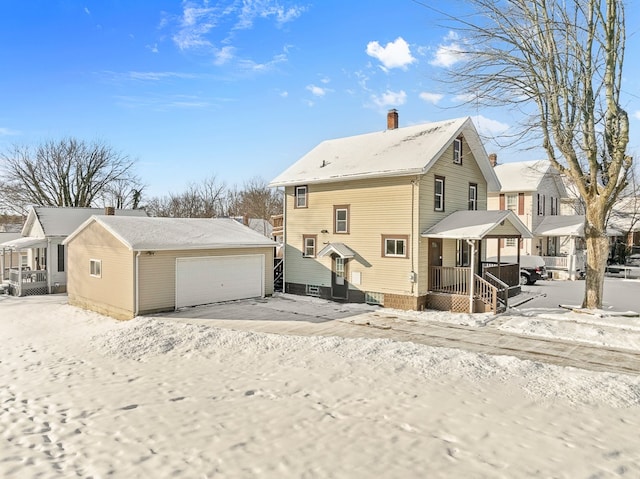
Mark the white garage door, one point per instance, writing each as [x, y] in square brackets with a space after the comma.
[218, 278]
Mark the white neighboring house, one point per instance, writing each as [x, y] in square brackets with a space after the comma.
[42, 266]
[535, 191]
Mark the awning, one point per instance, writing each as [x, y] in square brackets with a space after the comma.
[340, 249]
[570, 225]
[25, 242]
[475, 225]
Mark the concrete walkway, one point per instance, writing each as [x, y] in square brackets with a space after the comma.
[485, 340]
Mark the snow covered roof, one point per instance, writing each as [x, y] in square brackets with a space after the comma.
[62, 221]
[340, 249]
[144, 233]
[474, 225]
[522, 175]
[24, 242]
[568, 225]
[395, 152]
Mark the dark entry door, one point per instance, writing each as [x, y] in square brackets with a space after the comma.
[435, 259]
[339, 283]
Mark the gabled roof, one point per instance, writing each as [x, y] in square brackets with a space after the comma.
[524, 176]
[397, 152]
[474, 225]
[62, 221]
[340, 249]
[143, 233]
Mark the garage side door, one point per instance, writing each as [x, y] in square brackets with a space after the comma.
[218, 278]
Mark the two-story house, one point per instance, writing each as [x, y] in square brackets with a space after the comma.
[396, 217]
[536, 192]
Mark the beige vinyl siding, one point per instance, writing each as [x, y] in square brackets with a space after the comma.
[376, 207]
[157, 274]
[113, 292]
[457, 179]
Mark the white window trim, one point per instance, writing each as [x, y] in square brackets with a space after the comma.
[457, 151]
[304, 195]
[396, 254]
[515, 202]
[92, 269]
[439, 195]
[305, 254]
[345, 221]
[473, 200]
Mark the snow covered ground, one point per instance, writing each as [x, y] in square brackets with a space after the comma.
[86, 396]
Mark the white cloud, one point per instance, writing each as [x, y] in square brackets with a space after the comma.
[253, 9]
[390, 98]
[431, 97]
[224, 55]
[284, 94]
[153, 48]
[464, 98]
[195, 23]
[394, 55]
[250, 65]
[86, 10]
[489, 127]
[448, 53]
[636, 115]
[156, 76]
[316, 90]
[8, 132]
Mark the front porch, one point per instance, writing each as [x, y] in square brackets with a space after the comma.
[472, 285]
[560, 242]
[26, 282]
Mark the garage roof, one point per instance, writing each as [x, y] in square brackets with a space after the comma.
[159, 234]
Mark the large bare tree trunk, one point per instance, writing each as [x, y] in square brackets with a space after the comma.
[597, 253]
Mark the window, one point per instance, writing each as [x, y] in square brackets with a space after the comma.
[341, 219]
[541, 204]
[473, 196]
[512, 203]
[95, 268]
[24, 261]
[60, 258]
[463, 253]
[309, 247]
[301, 197]
[438, 201]
[554, 206]
[510, 242]
[457, 151]
[395, 246]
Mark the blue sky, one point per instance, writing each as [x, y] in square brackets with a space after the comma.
[234, 88]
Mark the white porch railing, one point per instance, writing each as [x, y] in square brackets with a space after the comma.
[28, 282]
[573, 264]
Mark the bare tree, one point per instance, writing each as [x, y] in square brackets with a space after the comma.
[68, 172]
[123, 193]
[566, 58]
[200, 200]
[257, 200]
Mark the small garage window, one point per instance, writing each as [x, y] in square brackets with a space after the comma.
[95, 268]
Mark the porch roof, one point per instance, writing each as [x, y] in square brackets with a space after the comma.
[569, 225]
[475, 225]
[340, 249]
[25, 242]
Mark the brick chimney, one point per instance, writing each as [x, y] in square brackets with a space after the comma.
[392, 119]
[109, 211]
[493, 159]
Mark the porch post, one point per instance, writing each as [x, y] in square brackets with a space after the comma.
[472, 243]
[19, 272]
[48, 266]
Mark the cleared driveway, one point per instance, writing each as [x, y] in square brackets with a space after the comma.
[619, 294]
[303, 316]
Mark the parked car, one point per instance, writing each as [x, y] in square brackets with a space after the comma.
[532, 268]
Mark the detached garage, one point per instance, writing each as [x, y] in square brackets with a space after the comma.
[125, 267]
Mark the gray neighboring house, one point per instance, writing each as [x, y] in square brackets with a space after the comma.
[35, 262]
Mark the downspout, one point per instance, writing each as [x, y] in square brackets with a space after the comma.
[414, 235]
[136, 289]
[472, 282]
[19, 272]
[284, 239]
[48, 270]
